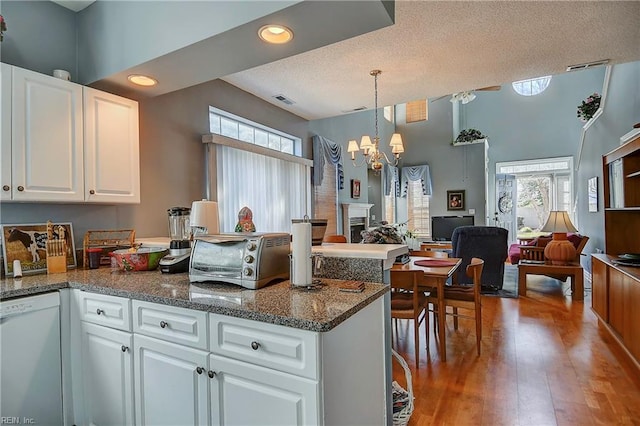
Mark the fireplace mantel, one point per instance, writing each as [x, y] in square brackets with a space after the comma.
[355, 218]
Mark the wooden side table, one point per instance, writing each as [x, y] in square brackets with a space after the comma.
[573, 270]
[436, 246]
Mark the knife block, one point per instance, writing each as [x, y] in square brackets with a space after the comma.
[56, 257]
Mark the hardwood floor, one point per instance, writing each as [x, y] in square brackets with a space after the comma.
[543, 362]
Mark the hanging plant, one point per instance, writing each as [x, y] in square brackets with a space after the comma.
[589, 107]
[469, 135]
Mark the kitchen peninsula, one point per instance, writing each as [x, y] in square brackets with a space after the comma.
[302, 357]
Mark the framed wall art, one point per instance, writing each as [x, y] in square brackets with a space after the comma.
[592, 188]
[27, 243]
[355, 188]
[455, 199]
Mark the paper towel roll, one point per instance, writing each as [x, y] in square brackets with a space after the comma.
[204, 215]
[302, 273]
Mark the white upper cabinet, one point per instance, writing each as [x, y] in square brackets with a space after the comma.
[5, 131]
[112, 165]
[46, 138]
[63, 142]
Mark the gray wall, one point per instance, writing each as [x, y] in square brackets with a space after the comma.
[529, 127]
[621, 112]
[452, 167]
[171, 152]
[40, 36]
[106, 26]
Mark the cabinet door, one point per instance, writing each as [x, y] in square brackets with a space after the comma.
[47, 144]
[112, 166]
[616, 300]
[600, 289]
[5, 131]
[169, 390]
[631, 336]
[276, 398]
[107, 375]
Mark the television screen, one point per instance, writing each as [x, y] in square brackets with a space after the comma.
[442, 226]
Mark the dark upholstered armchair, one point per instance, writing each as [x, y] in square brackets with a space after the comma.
[489, 243]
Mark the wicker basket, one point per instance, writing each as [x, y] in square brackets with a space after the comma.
[401, 418]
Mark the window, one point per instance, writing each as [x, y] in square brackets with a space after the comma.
[232, 126]
[258, 167]
[417, 111]
[418, 209]
[542, 185]
[532, 86]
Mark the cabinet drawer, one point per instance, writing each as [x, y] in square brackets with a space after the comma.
[177, 325]
[111, 311]
[273, 346]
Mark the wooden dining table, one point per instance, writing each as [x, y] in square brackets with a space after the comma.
[434, 276]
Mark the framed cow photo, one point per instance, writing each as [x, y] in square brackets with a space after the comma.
[27, 243]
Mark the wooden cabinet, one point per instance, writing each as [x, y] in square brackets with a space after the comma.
[62, 142]
[112, 165]
[107, 372]
[617, 304]
[171, 383]
[46, 138]
[600, 290]
[616, 301]
[621, 176]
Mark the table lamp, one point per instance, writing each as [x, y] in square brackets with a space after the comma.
[559, 251]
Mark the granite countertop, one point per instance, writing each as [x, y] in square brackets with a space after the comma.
[280, 303]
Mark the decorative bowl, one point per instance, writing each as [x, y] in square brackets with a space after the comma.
[141, 259]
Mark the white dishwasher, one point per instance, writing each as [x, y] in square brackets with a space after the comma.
[30, 369]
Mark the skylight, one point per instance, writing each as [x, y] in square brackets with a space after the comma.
[532, 86]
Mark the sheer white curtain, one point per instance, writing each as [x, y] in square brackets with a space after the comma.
[274, 189]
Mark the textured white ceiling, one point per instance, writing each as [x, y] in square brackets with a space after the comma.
[437, 48]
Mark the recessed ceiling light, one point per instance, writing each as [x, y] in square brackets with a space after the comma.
[142, 80]
[276, 34]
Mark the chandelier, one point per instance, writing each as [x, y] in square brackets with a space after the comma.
[372, 156]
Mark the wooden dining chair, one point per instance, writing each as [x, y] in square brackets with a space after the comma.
[462, 296]
[334, 239]
[409, 302]
[429, 253]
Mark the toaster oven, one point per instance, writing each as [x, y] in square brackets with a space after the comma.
[251, 260]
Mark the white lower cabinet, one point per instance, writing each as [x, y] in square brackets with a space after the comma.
[171, 383]
[225, 371]
[107, 372]
[245, 394]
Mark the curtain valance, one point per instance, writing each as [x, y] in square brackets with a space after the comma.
[326, 150]
[414, 173]
[391, 181]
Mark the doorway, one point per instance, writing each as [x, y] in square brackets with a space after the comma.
[541, 185]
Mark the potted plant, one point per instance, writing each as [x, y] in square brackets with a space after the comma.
[469, 135]
[588, 107]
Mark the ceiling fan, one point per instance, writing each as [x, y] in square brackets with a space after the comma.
[467, 96]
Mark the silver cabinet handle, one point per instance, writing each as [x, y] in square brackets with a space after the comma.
[199, 370]
[211, 374]
[92, 192]
[124, 348]
[6, 187]
[100, 311]
[21, 188]
[164, 324]
[255, 345]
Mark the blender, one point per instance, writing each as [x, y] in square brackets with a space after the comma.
[180, 246]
